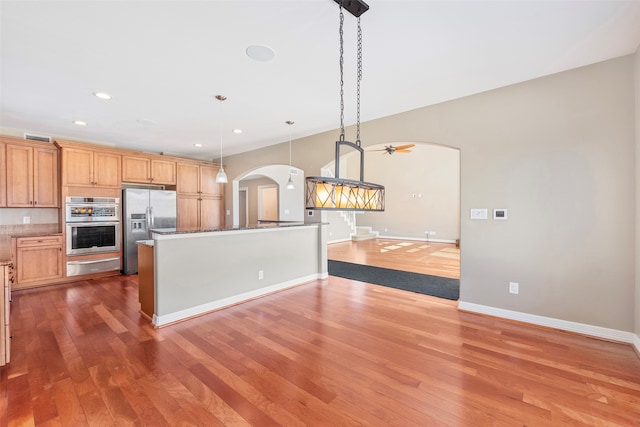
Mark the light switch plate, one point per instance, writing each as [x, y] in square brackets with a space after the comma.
[478, 213]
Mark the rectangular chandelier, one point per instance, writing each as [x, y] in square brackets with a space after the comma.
[343, 194]
[327, 193]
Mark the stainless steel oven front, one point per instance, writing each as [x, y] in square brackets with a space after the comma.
[92, 237]
[92, 225]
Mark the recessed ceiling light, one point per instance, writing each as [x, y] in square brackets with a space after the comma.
[237, 131]
[260, 53]
[197, 145]
[79, 123]
[102, 95]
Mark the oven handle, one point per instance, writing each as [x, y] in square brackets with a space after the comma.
[92, 261]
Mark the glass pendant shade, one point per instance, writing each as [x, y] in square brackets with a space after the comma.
[221, 177]
[290, 185]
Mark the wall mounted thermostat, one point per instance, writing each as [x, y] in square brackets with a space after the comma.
[499, 214]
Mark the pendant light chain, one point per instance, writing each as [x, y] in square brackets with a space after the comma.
[341, 74]
[359, 77]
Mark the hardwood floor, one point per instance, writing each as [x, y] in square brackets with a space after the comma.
[329, 352]
[437, 259]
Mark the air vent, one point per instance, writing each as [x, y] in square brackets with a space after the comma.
[293, 171]
[40, 138]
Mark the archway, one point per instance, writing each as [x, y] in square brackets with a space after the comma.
[290, 201]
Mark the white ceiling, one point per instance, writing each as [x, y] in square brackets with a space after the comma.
[164, 61]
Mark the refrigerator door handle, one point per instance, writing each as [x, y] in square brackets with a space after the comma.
[148, 215]
[153, 219]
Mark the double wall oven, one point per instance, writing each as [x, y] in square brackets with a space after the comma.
[92, 227]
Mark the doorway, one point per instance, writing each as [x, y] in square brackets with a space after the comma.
[243, 206]
[268, 203]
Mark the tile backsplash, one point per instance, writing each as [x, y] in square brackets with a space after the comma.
[41, 221]
[17, 229]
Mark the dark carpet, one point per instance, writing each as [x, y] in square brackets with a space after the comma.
[436, 286]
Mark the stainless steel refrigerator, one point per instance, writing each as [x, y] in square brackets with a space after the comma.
[142, 210]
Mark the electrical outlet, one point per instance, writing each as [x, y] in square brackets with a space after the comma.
[514, 288]
[26, 220]
[260, 274]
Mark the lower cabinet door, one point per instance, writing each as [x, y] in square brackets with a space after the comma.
[39, 263]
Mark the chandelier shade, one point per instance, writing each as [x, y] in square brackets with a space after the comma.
[325, 193]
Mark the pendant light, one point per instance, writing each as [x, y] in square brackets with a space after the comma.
[326, 193]
[221, 178]
[290, 185]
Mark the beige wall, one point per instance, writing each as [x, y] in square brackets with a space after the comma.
[252, 188]
[558, 153]
[637, 92]
[426, 198]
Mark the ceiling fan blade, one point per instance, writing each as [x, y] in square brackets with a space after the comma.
[404, 147]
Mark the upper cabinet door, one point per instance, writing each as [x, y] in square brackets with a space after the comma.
[77, 167]
[107, 169]
[188, 179]
[20, 176]
[46, 188]
[208, 185]
[32, 177]
[163, 172]
[136, 169]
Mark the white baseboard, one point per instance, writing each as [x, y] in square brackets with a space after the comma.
[420, 239]
[550, 322]
[177, 316]
[346, 239]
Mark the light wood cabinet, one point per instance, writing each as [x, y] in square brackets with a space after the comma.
[5, 331]
[146, 280]
[38, 260]
[3, 175]
[148, 170]
[200, 200]
[90, 168]
[32, 176]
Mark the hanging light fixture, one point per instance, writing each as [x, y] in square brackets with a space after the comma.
[326, 193]
[290, 185]
[221, 178]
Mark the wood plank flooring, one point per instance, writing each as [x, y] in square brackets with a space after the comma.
[434, 258]
[330, 352]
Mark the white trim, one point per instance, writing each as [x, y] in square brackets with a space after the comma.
[246, 205]
[636, 343]
[565, 325]
[346, 239]
[421, 239]
[232, 300]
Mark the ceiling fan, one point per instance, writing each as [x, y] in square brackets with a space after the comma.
[390, 149]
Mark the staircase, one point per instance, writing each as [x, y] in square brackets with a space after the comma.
[364, 233]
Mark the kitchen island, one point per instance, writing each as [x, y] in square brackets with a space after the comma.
[197, 271]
